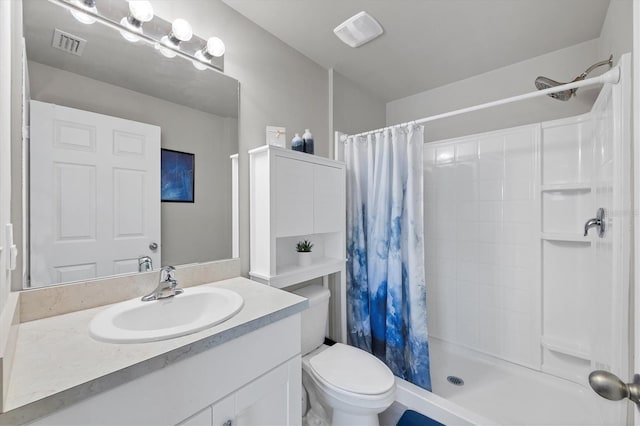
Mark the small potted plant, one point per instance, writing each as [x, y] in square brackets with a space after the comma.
[304, 252]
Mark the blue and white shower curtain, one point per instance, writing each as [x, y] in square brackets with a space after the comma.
[386, 295]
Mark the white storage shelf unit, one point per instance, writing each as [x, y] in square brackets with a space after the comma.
[295, 196]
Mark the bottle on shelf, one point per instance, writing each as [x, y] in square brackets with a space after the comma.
[307, 138]
[297, 144]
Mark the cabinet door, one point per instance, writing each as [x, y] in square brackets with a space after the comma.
[224, 411]
[267, 400]
[202, 418]
[329, 199]
[293, 197]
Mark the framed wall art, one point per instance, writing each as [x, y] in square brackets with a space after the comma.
[177, 176]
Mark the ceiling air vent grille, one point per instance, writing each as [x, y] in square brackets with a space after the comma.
[358, 30]
[68, 42]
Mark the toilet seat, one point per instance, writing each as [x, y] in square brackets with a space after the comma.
[350, 370]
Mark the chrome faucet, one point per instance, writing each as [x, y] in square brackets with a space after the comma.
[168, 286]
[145, 264]
[597, 221]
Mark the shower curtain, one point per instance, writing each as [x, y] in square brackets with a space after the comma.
[386, 296]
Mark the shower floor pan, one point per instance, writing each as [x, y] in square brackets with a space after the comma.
[510, 394]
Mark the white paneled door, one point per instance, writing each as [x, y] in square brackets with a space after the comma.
[95, 194]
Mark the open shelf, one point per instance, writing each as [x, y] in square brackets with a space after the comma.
[288, 275]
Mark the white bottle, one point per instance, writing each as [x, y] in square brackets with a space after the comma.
[307, 137]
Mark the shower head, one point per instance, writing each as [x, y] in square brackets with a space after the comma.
[543, 83]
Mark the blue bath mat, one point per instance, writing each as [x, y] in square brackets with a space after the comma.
[413, 418]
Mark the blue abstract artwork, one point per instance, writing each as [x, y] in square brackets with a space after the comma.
[177, 176]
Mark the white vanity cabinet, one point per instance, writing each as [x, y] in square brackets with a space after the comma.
[295, 196]
[254, 379]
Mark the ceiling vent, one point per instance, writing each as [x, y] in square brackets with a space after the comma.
[358, 30]
[68, 42]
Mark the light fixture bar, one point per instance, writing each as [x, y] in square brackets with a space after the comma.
[142, 36]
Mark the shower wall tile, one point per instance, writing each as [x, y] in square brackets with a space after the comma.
[466, 151]
[518, 189]
[479, 219]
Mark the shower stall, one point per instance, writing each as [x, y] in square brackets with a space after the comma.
[527, 292]
[522, 304]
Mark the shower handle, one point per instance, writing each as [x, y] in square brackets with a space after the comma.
[609, 386]
[596, 221]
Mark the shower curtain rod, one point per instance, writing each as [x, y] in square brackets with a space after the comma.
[611, 76]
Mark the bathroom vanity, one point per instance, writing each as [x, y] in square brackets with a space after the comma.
[245, 370]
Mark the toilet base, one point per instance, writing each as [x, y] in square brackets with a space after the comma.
[340, 418]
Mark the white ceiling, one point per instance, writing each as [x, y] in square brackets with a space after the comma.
[427, 43]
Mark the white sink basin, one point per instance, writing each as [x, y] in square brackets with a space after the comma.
[135, 321]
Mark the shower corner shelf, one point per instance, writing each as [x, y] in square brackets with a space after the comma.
[561, 346]
[556, 236]
[572, 186]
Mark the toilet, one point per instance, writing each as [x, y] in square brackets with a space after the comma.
[343, 385]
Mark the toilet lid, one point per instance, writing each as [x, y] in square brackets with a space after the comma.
[353, 370]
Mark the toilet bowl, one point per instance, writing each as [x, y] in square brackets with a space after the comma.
[345, 385]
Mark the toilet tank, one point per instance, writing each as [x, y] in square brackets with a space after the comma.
[314, 319]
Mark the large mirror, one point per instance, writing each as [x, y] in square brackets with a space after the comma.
[127, 164]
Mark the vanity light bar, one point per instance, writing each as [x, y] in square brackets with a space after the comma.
[73, 7]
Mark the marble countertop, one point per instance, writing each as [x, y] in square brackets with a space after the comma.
[57, 363]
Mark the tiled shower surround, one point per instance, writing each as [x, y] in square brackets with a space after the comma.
[481, 226]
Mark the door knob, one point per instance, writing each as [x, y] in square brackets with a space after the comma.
[596, 221]
[153, 246]
[609, 386]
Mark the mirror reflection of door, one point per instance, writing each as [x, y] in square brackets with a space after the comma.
[75, 155]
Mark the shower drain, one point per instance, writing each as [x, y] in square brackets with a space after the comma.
[457, 381]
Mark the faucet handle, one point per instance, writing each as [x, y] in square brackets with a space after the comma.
[596, 221]
[167, 273]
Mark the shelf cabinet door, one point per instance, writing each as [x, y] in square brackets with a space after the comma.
[273, 399]
[224, 411]
[293, 197]
[328, 203]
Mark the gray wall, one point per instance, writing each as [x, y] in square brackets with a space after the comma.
[355, 110]
[616, 36]
[516, 79]
[278, 85]
[563, 65]
[190, 232]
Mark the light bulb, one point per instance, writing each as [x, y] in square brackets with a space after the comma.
[141, 10]
[200, 65]
[181, 30]
[89, 5]
[126, 34]
[215, 46]
[167, 52]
